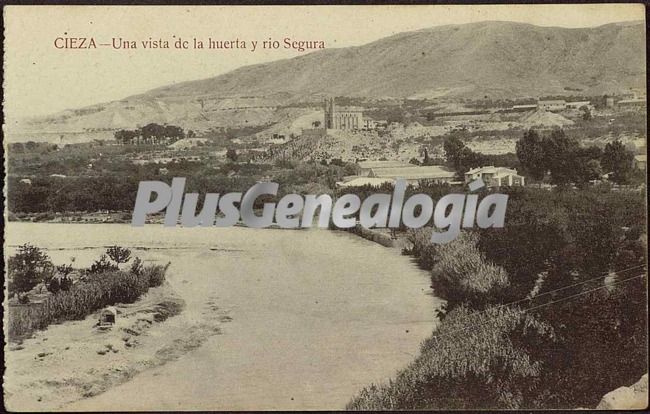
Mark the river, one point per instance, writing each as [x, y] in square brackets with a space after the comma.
[316, 314]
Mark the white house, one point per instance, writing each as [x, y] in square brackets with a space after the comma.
[495, 176]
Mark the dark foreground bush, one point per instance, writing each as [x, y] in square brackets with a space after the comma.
[462, 275]
[477, 360]
[83, 298]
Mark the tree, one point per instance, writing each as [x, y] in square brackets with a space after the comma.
[593, 170]
[581, 367]
[618, 160]
[102, 265]
[172, 131]
[587, 166]
[29, 267]
[530, 151]
[152, 131]
[125, 136]
[461, 157]
[559, 150]
[119, 254]
[316, 124]
[453, 147]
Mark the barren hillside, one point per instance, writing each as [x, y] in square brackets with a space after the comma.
[498, 59]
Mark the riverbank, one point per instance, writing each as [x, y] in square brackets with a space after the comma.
[296, 303]
[78, 217]
[75, 359]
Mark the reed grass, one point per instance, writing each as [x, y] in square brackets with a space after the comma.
[83, 298]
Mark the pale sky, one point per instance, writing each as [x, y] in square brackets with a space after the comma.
[40, 79]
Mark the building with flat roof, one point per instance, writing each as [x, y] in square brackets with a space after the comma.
[631, 102]
[552, 105]
[578, 104]
[495, 176]
[363, 181]
[367, 166]
[528, 107]
[414, 174]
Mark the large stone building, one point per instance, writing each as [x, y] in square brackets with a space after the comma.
[345, 117]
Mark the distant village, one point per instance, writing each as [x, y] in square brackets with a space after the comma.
[381, 149]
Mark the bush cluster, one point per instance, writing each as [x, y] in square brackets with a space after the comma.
[531, 319]
[95, 291]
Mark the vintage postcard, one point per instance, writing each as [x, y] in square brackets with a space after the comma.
[406, 207]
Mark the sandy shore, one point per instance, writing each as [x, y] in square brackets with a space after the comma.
[76, 360]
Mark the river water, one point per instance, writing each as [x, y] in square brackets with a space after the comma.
[316, 314]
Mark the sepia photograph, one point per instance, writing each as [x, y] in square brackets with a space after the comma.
[341, 207]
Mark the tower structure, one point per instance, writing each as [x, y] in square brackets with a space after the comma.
[349, 118]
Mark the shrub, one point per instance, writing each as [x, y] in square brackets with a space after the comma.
[462, 275]
[136, 267]
[54, 286]
[65, 283]
[64, 270]
[554, 357]
[100, 290]
[119, 254]
[102, 265]
[28, 268]
[422, 248]
[477, 360]
[155, 274]
[600, 347]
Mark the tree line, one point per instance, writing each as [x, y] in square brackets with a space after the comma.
[555, 156]
[151, 134]
[566, 161]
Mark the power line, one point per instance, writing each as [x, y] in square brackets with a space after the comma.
[601, 276]
[538, 306]
[584, 293]
[606, 274]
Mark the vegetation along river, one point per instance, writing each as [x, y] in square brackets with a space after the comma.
[316, 314]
